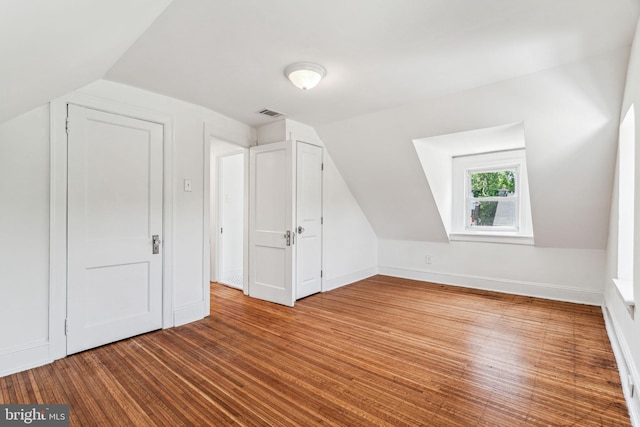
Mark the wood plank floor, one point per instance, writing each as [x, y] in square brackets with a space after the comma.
[383, 351]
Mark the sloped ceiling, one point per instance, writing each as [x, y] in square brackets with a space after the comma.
[230, 56]
[48, 48]
[570, 116]
[398, 70]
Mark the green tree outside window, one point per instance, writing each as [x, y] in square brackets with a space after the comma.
[490, 184]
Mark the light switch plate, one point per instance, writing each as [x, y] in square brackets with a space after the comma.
[187, 185]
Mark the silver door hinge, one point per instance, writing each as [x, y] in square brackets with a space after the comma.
[321, 166]
[66, 326]
[320, 273]
[321, 220]
[67, 126]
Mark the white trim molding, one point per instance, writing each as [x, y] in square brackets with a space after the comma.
[189, 313]
[516, 287]
[24, 357]
[625, 290]
[622, 353]
[492, 238]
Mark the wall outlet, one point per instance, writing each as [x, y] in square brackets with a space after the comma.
[427, 259]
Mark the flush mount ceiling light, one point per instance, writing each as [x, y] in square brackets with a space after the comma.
[305, 75]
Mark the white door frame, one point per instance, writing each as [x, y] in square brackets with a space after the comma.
[58, 210]
[212, 133]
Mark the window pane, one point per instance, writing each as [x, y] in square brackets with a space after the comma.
[493, 184]
[501, 213]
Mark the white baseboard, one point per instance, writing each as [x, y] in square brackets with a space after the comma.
[25, 357]
[331, 284]
[189, 313]
[623, 354]
[517, 287]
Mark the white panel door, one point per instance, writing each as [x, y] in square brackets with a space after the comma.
[270, 221]
[114, 287]
[309, 219]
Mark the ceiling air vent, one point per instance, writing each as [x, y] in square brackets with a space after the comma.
[270, 113]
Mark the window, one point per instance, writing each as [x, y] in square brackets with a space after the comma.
[478, 179]
[491, 198]
[626, 178]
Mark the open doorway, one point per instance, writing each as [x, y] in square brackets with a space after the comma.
[228, 200]
[230, 215]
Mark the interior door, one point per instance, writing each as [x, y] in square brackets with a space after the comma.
[271, 234]
[231, 219]
[309, 219]
[114, 287]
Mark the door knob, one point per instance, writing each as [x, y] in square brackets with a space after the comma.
[155, 241]
[300, 229]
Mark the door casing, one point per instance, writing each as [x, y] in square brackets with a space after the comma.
[210, 240]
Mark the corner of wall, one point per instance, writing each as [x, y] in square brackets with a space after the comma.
[271, 132]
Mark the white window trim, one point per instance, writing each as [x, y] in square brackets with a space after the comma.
[625, 290]
[501, 160]
[487, 237]
[467, 192]
[626, 207]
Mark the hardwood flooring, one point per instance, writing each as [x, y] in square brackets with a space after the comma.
[382, 351]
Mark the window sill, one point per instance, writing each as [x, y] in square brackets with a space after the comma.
[625, 290]
[512, 239]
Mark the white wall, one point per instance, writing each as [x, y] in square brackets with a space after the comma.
[350, 246]
[349, 251]
[573, 275]
[24, 239]
[624, 326]
[24, 221]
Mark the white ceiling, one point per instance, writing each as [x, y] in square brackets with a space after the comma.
[570, 116]
[49, 48]
[229, 56]
[398, 70]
